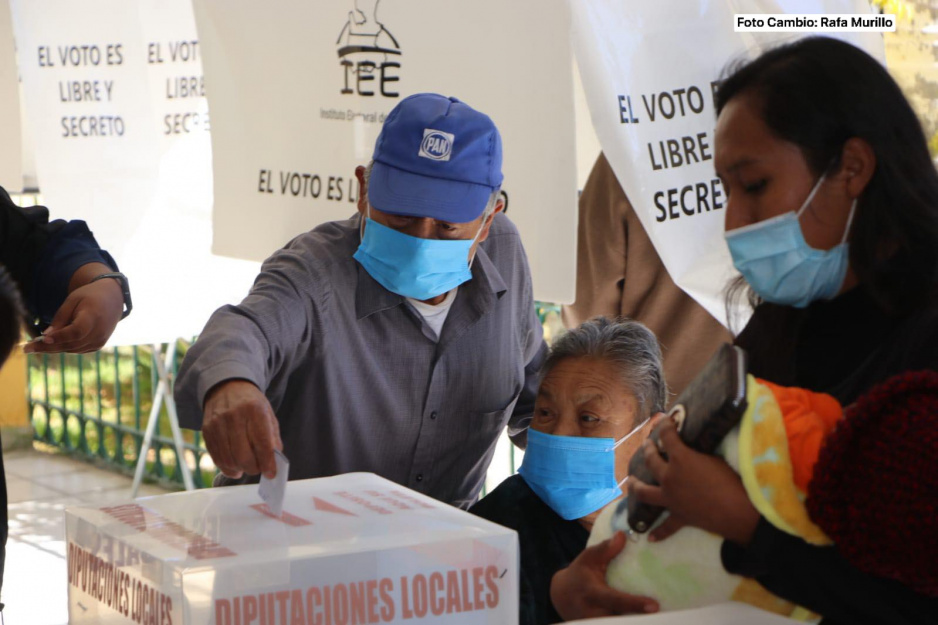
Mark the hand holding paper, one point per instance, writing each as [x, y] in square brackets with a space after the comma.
[240, 429]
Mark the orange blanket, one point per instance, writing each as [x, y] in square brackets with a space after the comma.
[809, 417]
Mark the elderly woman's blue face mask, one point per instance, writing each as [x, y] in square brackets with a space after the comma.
[574, 475]
[581, 415]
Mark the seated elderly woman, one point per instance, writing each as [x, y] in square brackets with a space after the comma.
[599, 388]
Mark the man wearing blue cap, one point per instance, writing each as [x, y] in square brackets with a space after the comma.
[400, 341]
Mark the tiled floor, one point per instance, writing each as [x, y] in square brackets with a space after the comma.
[39, 487]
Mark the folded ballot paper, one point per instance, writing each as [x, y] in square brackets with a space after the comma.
[345, 550]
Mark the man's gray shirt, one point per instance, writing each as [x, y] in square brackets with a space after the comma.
[355, 376]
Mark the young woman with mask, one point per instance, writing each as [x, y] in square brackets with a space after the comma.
[832, 219]
[599, 387]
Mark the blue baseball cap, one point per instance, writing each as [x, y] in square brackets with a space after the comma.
[436, 157]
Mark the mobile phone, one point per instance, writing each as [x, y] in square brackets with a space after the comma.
[711, 405]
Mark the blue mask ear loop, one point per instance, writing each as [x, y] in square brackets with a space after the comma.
[482, 227]
[622, 440]
[361, 227]
[853, 209]
[807, 202]
[630, 534]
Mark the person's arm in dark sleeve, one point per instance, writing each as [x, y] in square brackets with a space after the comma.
[24, 235]
[70, 248]
[819, 579]
[44, 257]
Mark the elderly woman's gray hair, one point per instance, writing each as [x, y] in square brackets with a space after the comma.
[628, 346]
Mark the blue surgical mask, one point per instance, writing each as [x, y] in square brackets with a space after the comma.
[779, 264]
[574, 475]
[413, 267]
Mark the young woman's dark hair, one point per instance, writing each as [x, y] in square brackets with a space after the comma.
[819, 92]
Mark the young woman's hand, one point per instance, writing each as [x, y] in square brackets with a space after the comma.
[87, 318]
[697, 489]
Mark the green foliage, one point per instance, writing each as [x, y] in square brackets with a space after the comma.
[96, 406]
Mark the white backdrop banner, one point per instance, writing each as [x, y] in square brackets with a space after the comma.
[298, 91]
[649, 70]
[11, 163]
[120, 126]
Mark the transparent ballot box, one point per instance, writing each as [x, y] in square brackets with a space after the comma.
[348, 550]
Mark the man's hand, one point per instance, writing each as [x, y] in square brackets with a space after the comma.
[697, 489]
[87, 318]
[240, 429]
[580, 590]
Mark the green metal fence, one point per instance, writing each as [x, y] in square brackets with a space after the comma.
[95, 407]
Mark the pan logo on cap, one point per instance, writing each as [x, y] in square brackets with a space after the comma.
[436, 145]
